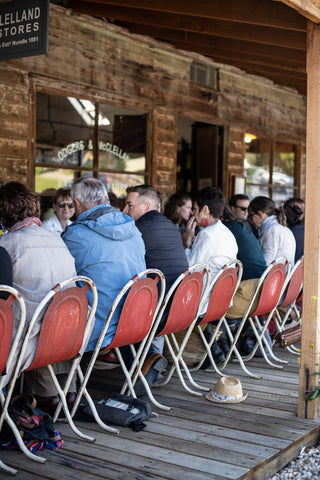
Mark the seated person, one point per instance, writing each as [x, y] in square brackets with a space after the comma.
[107, 247]
[249, 250]
[40, 260]
[214, 245]
[5, 271]
[239, 205]
[63, 208]
[178, 209]
[295, 221]
[276, 240]
[164, 250]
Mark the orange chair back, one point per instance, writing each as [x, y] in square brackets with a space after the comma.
[294, 288]
[6, 329]
[184, 304]
[221, 295]
[137, 313]
[63, 327]
[271, 290]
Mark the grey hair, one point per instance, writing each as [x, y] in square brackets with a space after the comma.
[89, 191]
[147, 192]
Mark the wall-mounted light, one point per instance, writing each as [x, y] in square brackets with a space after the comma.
[248, 137]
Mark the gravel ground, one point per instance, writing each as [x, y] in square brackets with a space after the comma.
[306, 465]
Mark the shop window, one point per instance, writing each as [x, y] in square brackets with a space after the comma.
[269, 168]
[76, 137]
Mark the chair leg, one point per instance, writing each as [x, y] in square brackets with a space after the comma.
[129, 383]
[151, 396]
[260, 340]
[177, 359]
[234, 349]
[7, 469]
[92, 406]
[208, 352]
[21, 444]
[15, 431]
[62, 396]
[259, 343]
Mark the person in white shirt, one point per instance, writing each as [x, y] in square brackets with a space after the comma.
[63, 208]
[275, 238]
[214, 245]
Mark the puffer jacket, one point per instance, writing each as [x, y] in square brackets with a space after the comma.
[108, 248]
[164, 247]
[40, 260]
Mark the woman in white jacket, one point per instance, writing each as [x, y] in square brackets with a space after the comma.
[275, 238]
[40, 260]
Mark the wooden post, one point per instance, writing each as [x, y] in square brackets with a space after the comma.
[310, 345]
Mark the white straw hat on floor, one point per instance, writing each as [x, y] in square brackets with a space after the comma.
[227, 390]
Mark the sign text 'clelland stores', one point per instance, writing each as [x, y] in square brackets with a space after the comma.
[23, 28]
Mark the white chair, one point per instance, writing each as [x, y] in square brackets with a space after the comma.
[9, 351]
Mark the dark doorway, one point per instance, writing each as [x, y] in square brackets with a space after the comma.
[200, 155]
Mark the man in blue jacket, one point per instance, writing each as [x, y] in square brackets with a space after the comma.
[107, 247]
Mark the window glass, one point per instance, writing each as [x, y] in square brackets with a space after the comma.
[48, 178]
[75, 137]
[122, 140]
[283, 171]
[257, 161]
[269, 168]
[64, 131]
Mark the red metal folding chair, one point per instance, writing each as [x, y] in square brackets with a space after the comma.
[184, 298]
[9, 349]
[292, 293]
[221, 291]
[142, 302]
[268, 290]
[65, 329]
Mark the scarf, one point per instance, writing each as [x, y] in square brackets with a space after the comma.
[268, 222]
[26, 222]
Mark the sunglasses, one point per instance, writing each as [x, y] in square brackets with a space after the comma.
[244, 209]
[65, 204]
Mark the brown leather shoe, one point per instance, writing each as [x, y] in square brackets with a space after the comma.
[47, 404]
[157, 361]
[71, 398]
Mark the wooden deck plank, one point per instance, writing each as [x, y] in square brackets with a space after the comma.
[225, 432]
[140, 460]
[196, 440]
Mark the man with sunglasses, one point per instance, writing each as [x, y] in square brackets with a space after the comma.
[63, 208]
[239, 204]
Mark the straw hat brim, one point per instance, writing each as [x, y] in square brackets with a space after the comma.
[216, 400]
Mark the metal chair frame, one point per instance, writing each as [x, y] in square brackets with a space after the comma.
[54, 340]
[222, 289]
[133, 291]
[185, 296]
[292, 293]
[269, 290]
[9, 350]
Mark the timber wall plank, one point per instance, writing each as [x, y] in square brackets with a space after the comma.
[92, 58]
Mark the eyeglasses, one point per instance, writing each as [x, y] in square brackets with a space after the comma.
[244, 209]
[65, 204]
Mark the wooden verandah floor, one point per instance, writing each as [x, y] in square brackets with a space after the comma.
[196, 440]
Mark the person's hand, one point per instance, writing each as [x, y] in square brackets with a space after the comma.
[189, 233]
